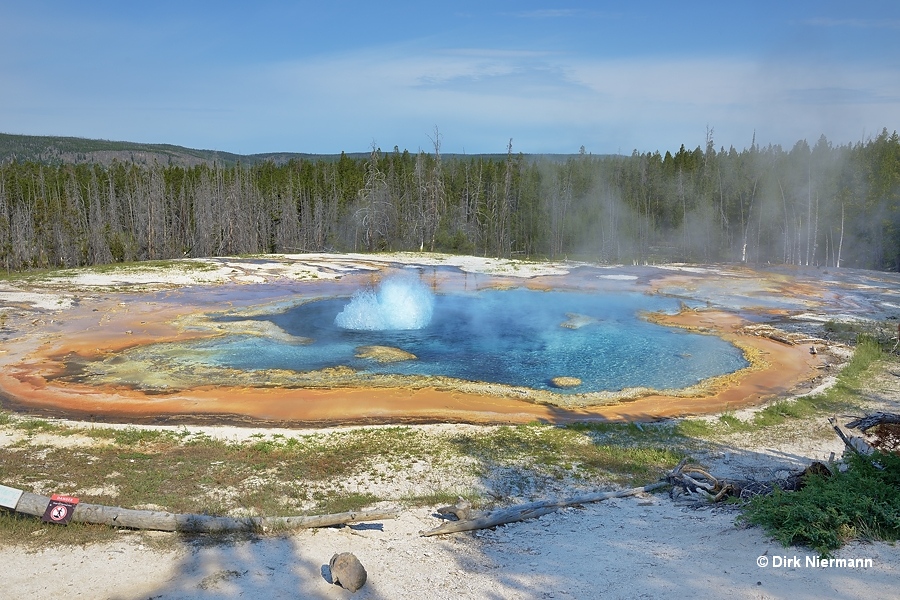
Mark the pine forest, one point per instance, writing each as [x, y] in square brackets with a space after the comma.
[821, 205]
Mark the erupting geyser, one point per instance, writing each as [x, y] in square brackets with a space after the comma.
[398, 303]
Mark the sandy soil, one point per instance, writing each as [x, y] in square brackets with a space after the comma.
[629, 548]
[640, 547]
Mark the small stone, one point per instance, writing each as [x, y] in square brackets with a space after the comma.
[577, 321]
[565, 382]
[347, 571]
[384, 354]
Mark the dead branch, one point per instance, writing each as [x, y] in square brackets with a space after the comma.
[727, 490]
[697, 484]
[854, 443]
[869, 421]
[781, 336]
[531, 510]
[695, 472]
[882, 431]
[842, 435]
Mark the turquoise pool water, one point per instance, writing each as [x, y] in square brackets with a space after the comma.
[517, 337]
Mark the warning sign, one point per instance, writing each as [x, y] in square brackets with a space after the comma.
[60, 509]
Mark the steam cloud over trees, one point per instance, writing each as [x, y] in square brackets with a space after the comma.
[821, 205]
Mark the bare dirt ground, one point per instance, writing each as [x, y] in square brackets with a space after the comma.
[639, 547]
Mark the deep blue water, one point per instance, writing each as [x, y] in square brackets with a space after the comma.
[512, 337]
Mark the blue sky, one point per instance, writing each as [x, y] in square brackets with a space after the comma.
[552, 76]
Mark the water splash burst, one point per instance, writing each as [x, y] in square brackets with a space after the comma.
[399, 303]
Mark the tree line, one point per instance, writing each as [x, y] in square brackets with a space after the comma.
[826, 205]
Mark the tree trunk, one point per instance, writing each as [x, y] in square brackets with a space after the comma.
[35, 504]
[841, 242]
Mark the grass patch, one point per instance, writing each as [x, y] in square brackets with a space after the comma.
[861, 503]
[868, 350]
[882, 332]
[31, 276]
[33, 426]
[139, 267]
[579, 451]
[277, 475]
[30, 531]
[442, 498]
[338, 503]
[695, 428]
[843, 396]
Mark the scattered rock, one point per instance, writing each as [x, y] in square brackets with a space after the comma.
[384, 354]
[462, 510]
[577, 321]
[347, 571]
[565, 382]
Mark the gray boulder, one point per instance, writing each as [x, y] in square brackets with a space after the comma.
[347, 571]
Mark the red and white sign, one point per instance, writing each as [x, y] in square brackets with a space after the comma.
[60, 509]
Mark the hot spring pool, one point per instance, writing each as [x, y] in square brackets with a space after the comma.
[516, 337]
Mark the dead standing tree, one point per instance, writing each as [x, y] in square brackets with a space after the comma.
[375, 210]
[431, 195]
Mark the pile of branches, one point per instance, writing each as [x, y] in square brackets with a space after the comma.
[881, 431]
[693, 483]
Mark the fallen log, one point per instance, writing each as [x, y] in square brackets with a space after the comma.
[882, 430]
[531, 510]
[36, 504]
[870, 421]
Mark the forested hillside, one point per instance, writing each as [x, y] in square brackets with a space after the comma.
[55, 150]
[809, 205]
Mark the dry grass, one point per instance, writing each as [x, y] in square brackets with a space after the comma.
[311, 473]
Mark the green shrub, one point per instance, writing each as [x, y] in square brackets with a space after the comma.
[861, 503]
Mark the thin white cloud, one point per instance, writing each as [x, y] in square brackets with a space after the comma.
[663, 100]
[854, 23]
[479, 97]
[496, 53]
